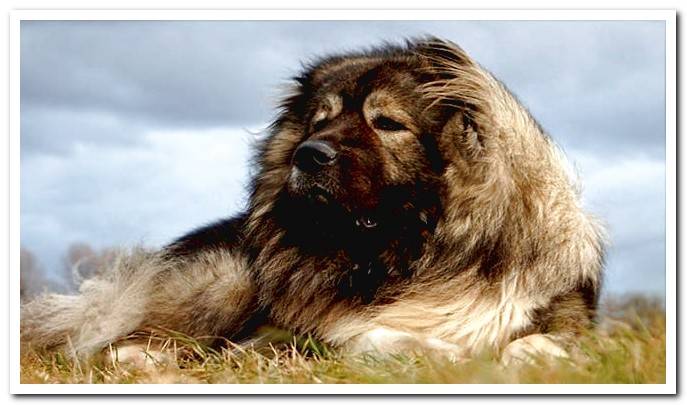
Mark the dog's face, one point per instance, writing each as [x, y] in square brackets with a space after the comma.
[366, 152]
[368, 144]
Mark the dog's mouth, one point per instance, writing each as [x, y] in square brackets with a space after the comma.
[328, 206]
[323, 196]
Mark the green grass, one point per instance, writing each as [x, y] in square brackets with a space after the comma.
[628, 347]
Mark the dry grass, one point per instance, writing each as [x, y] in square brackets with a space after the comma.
[628, 347]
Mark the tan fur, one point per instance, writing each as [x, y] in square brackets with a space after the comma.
[512, 254]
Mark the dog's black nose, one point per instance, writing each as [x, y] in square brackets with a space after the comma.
[311, 156]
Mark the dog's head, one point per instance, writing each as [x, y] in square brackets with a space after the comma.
[364, 142]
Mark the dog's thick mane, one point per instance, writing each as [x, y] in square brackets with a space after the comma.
[515, 184]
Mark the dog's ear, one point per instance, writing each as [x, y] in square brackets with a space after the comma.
[460, 135]
[456, 82]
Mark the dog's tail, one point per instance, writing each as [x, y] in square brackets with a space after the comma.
[109, 305]
[208, 295]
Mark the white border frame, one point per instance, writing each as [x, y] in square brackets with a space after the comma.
[669, 16]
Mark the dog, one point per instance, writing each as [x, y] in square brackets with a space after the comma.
[403, 200]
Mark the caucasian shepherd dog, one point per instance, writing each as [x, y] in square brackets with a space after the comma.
[403, 200]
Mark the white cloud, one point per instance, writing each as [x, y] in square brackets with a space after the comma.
[629, 191]
[151, 192]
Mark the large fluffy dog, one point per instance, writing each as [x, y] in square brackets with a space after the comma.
[403, 199]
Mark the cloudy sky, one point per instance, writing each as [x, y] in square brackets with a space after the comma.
[136, 132]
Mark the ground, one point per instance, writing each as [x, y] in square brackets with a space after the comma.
[627, 347]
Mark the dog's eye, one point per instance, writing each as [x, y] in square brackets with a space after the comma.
[387, 124]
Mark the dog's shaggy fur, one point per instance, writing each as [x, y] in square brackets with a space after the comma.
[404, 199]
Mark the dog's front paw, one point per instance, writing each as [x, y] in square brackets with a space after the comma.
[388, 341]
[528, 349]
[139, 356]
